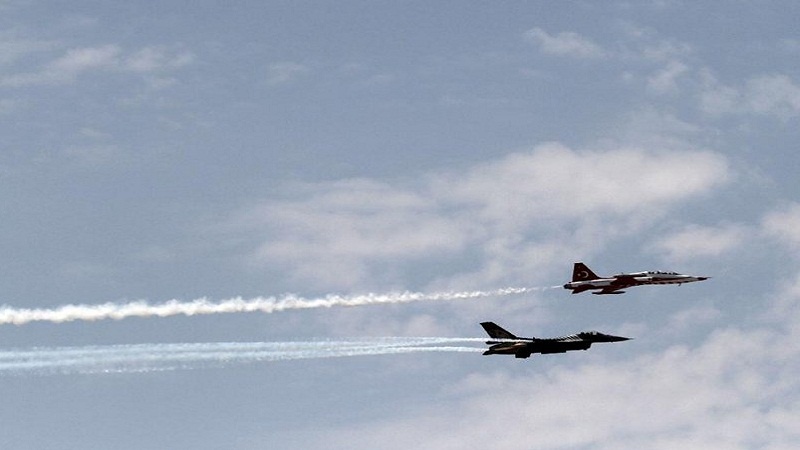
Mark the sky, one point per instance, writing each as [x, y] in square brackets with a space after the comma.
[181, 150]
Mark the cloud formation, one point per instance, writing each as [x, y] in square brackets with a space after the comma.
[284, 72]
[566, 43]
[700, 396]
[75, 62]
[701, 241]
[666, 80]
[509, 209]
[776, 95]
[784, 224]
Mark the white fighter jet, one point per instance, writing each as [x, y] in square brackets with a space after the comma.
[583, 279]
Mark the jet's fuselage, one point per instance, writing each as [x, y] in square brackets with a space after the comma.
[584, 279]
[508, 344]
[543, 346]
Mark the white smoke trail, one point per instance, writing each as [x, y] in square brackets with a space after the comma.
[117, 311]
[161, 357]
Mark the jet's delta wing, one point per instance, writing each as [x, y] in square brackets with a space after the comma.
[583, 279]
[506, 343]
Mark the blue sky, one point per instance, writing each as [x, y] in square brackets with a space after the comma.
[178, 150]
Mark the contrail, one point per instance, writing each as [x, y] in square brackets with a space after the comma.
[162, 357]
[141, 308]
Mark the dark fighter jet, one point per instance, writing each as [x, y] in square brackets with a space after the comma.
[508, 344]
[583, 279]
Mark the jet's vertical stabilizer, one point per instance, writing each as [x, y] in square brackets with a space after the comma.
[580, 272]
[496, 331]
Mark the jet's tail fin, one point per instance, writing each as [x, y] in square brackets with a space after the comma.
[496, 331]
[580, 272]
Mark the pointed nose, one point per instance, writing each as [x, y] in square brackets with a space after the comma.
[600, 337]
[702, 278]
[610, 338]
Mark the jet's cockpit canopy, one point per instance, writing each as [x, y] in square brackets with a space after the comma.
[592, 333]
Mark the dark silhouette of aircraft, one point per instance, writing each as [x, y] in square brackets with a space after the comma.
[583, 279]
[508, 344]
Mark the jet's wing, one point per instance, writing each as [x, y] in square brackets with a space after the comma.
[624, 279]
[580, 289]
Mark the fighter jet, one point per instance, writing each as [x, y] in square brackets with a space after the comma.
[583, 279]
[508, 344]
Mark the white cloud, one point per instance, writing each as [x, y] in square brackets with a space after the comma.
[284, 72]
[717, 98]
[82, 59]
[66, 68]
[93, 133]
[773, 95]
[701, 241]
[770, 95]
[566, 43]
[556, 181]
[705, 396]
[785, 308]
[157, 58]
[737, 389]
[107, 58]
[512, 210]
[340, 228]
[666, 80]
[661, 63]
[700, 315]
[784, 224]
[666, 50]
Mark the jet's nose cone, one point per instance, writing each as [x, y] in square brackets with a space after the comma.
[702, 278]
[594, 336]
[610, 338]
